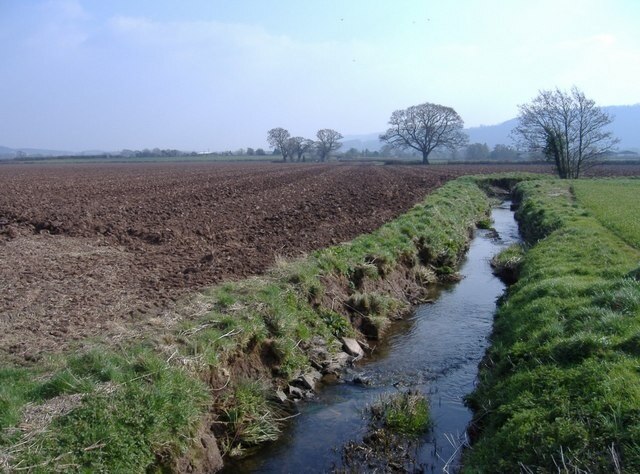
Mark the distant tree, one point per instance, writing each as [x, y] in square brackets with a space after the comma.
[504, 153]
[277, 138]
[298, 146]
[328, 142]
[424, 128]
[388, 150]
[569, 129]
[250, 151]
[352, 153]
[477, 152]
[260, 152]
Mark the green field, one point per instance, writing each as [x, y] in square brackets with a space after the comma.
[615, 203]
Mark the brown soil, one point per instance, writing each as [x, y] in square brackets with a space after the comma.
[107, 249]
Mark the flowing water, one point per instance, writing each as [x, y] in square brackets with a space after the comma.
[436, 351]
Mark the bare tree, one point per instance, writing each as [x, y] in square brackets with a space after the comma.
[424, 128]
[298, 146]
[327, 142]
[568, 128]
[278, 138]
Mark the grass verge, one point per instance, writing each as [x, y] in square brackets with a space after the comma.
[559, 389]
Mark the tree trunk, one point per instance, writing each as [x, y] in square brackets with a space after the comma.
[425, 157]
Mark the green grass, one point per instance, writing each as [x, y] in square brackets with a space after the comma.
[150, 413]
[250, 418]
[615, 203]
[560, 385]
[404, 413]
[507, 263]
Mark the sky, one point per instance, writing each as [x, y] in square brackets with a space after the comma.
[218, 74]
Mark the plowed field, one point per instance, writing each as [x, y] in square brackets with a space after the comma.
[95, 250]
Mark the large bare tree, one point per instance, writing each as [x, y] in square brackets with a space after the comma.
[278, 138]
[425, 127]
[328, 142]
[568, 128]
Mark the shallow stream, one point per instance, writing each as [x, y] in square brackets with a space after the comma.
[436, 351]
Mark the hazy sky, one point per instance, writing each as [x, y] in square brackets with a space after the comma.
[197, 75]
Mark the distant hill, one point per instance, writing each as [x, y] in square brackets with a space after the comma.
[626, 126]
[492, 134]
[369, 142]
[7, 153]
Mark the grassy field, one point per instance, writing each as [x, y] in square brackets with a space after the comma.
[140, 407]
[559, 388]
[615, 203]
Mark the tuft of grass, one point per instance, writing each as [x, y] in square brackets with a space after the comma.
[405, 413]
[16, 388]
[484, 223]
[339, 325]
[376, 304]
[64, 382]
[250, 418]
[508, 262]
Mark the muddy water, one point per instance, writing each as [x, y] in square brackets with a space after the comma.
[436, 351]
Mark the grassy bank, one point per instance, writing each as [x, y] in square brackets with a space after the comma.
[143, 408]
[559, 389]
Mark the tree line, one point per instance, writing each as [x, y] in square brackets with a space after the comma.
[295, 148]
[566, 128]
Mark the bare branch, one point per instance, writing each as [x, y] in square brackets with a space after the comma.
[328, 142]
[424, 128]
[568, 128]
[277, 138]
